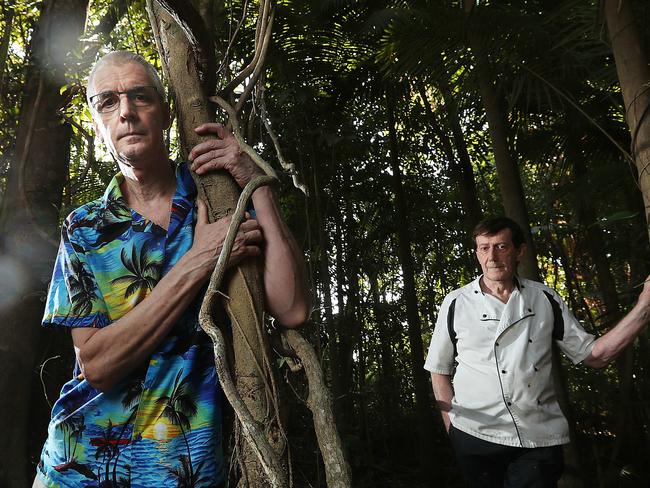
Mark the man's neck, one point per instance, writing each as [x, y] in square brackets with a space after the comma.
[499, 289]
[150, 193]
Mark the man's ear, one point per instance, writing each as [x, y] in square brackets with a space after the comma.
[98, 133]
[167, 118]
[520, 252]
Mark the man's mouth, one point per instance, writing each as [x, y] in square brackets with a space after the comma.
[129, 134]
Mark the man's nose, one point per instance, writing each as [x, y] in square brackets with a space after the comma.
[126, 109]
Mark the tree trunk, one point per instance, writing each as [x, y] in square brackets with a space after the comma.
[424, 411]
[633, 76]
[28, 228]
[388, 386]
[243, 284]
[8, 14]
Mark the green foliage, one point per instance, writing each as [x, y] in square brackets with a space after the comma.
[330, 70]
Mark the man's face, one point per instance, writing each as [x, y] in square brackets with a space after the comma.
[133, 134]
[498, 256]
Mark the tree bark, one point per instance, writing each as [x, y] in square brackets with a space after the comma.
[320, 403]
[185, 70]
[634, 77]
[28, 228]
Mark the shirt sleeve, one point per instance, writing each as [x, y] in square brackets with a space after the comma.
[440, 358]
[576, 343]
[73, 298]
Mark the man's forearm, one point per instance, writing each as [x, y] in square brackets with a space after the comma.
[109, 354]
[285, 275]
[444, 393]
[609, 346]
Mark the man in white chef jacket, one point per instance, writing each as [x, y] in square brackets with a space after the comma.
[490, 363]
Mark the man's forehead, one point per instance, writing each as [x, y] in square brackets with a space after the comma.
[504, 235]
[109, 74]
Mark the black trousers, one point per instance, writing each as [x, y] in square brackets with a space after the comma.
[488, 465]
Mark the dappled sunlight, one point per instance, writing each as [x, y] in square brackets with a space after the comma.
[13, 282]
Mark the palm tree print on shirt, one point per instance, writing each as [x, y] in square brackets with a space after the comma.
[131, 400]
[144, 270]
[107, 449]
[179, 407]
[82, 287]
[74, 427]
[185, 476]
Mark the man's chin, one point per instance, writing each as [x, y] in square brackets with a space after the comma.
[128, 158]
[500, 275]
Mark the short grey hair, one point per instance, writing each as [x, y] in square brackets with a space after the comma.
[125, 57]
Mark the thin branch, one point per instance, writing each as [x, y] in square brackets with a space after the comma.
[40, 375]
[260, 33]
[290, 168]
[263, 49]
[224, 61]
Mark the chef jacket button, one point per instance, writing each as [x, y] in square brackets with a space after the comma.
[484, 315]
[503, 371]
[496, 344]
[509, 404]
[530, 310]
[535, 367]
[530, 340]
[476, 291]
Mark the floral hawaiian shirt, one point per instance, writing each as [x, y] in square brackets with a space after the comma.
[162, 426]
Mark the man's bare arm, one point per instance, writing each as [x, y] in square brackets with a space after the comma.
[286, 288]
[609, 346]
[285, 276]
[109, 354]
[444, 392]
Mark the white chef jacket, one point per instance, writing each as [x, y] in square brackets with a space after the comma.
[503, 387]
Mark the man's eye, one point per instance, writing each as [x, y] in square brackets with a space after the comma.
[107, 101]
[141, 96]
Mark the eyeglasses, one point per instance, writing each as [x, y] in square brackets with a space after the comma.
[109, 101]
[500, 247]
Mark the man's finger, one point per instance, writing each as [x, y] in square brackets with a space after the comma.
[222, 132]
[205, 147]
[207, 128]
[202, 212]
[253, 236]
[211, 156]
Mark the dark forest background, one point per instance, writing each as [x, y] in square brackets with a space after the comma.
[407, 121]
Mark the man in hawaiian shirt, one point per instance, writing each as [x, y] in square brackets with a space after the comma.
[143, 409]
